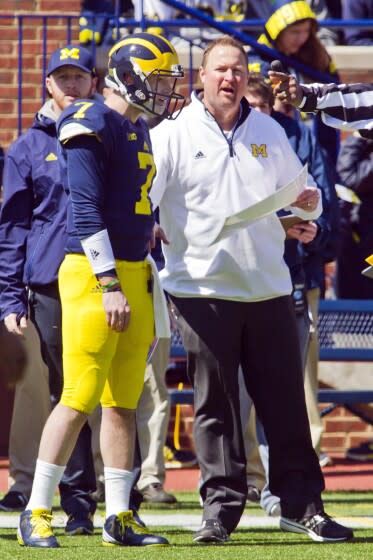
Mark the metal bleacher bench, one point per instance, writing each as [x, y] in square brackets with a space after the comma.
[345, 335]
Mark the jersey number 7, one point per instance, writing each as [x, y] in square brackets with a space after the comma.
[143, 205]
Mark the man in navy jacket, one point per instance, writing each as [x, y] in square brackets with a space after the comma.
[32, 242]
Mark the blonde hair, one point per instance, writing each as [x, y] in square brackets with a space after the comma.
[225, 41]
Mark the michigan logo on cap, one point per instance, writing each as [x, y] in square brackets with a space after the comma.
[70, 53]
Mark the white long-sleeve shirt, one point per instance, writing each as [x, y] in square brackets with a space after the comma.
[201, 179]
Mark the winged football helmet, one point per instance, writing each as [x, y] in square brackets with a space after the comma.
[137, 67]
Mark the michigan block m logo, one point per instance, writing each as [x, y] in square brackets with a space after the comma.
[257, 151]
[69, 53]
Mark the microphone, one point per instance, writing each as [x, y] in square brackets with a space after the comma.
[276, 66]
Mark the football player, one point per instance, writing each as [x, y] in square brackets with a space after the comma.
[106, 281]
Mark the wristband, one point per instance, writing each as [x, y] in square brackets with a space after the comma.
[112, 286]
[97, 248]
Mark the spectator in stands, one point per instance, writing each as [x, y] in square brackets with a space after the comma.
[291, 29]
[153, 9]
[262, 9]
[97, 22]
[231, 299]
[362, 10]
[304, 256]
[222, 10]
[32, 241]
[258, 9]
[97, 18]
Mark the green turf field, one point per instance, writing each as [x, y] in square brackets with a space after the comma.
[254, 543]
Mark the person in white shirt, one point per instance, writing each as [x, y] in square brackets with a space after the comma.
[231, 297]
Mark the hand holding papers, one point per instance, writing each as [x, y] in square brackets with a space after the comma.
[289, 221]
[282, 198]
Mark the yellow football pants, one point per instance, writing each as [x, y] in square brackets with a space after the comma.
[101, 365]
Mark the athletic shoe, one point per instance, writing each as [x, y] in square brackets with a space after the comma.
[35, 529]
[275, 510]
[13, 501]
[155, 494]
[123, 530]
[177, 458]
[320, 527]
[212, 531]
[81, 524]
[325, 460]
[363, 452]
[136, 500]
[253, 494]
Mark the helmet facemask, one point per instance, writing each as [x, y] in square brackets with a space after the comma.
[166, 103]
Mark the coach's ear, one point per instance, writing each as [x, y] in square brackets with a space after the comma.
[202, 74]
[48, 86]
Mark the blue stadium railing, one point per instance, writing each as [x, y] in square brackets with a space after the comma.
[196, 19]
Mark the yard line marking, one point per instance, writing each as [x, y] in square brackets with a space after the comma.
[190, 522]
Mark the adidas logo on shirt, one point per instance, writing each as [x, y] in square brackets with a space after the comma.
[51, 157]
[199, 155]
[94, 253]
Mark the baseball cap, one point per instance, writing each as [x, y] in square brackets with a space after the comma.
[72, 55]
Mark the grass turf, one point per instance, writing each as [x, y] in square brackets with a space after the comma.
[259, 543]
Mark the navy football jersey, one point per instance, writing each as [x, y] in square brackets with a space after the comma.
[110, 170]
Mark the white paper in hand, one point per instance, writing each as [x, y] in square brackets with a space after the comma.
[280, 199]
